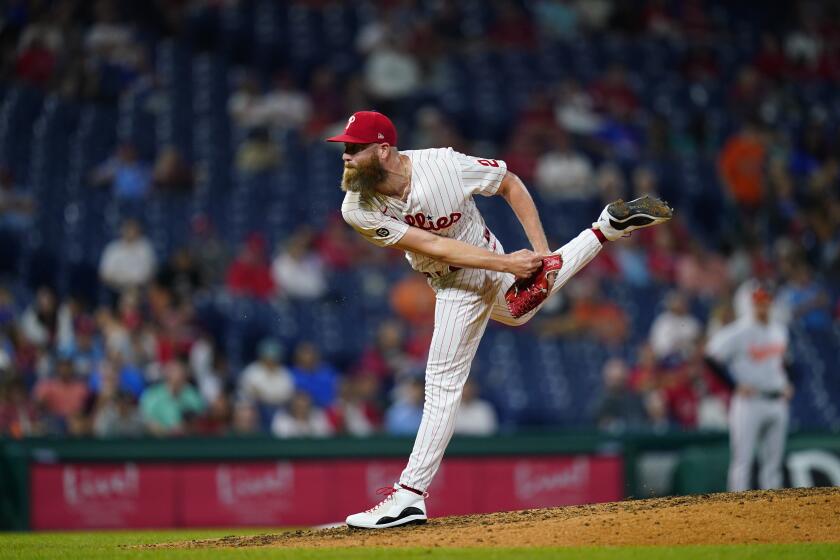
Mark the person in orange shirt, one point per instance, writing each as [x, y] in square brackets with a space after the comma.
[741, 166]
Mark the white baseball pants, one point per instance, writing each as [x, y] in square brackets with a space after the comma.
[465, 301]
[756, 424]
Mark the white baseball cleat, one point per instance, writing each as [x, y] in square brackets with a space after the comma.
[400, 507]
[619, 218]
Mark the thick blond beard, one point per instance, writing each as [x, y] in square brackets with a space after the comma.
[363, 179]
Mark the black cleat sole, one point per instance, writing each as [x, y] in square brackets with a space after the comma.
[642, 211]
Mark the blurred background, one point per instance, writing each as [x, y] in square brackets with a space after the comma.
[176, 281]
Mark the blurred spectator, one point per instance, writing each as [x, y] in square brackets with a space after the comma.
[266, 380]
[63, 394]
[619, 409]
[115, 413]
[258, 153]
[701, 273]
[741, 164]
[675, 331]
[249, 275]
[172, 172]
[128, 262]
[209, 253]
[613, 91]
[356, 411]
[746, 97]
[107, 36]
[558, 20]
[246, 419]
[656, 410]
[130, 178]
[328, 105]
[476, 417]
[594, 15]
[301, 420]
[663, 255]
[619, 137]
[39, 322]
[696, 398]
[298, 270]
[413, 300]
[770, 59]
[212, 371]
[645, 376]
[284, 106]
[591, 315]
[112, 371]
[574, 109]
[180, 275]
[217, 418]
[82, 342]
[336, 249]
[243, 105]
[403, 417]
[169, 406]
[609, 182]
[562, 172]
[521, 154]
[17, 207]
[35, 63]
[18, 414]
[434, 129]
[313, 375]
[388, 356]
[631, 259]
[806, 299]
[391, 74]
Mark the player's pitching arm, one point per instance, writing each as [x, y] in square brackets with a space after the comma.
[522, 263]
[516, 194]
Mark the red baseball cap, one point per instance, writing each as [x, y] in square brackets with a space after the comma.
[367, 127]
[762, 295]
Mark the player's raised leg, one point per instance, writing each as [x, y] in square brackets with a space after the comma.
[617, 220]
[576, 254]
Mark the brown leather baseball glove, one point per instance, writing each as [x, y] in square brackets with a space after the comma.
[528, 293]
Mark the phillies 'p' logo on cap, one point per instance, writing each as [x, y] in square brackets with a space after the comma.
[367, 127]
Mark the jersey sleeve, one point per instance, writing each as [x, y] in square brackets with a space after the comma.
[722, 346]
[378, 228]
[481, 175]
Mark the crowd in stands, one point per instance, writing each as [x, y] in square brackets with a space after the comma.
[138, 361]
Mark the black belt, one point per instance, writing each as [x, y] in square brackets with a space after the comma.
[771, 394]
[444, 272]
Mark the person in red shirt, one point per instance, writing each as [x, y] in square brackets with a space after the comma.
[249, 274]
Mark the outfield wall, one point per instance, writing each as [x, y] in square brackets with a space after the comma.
[83, 484]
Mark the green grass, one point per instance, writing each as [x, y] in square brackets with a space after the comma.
[102, 545]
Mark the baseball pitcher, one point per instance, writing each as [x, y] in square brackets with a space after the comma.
[421, 202]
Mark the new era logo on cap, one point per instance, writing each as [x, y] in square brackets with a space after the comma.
[367, 127]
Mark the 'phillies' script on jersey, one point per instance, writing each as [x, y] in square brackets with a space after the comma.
[440, 200]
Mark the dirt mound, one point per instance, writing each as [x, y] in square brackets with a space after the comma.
[777, 516]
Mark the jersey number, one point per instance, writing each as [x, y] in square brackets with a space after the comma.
[488, 162]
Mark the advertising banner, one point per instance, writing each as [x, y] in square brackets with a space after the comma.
[301, 492]
[79, 495]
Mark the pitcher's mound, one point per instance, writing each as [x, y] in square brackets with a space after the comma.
[775, 516]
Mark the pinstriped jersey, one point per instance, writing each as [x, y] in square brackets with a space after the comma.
[440, 201]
